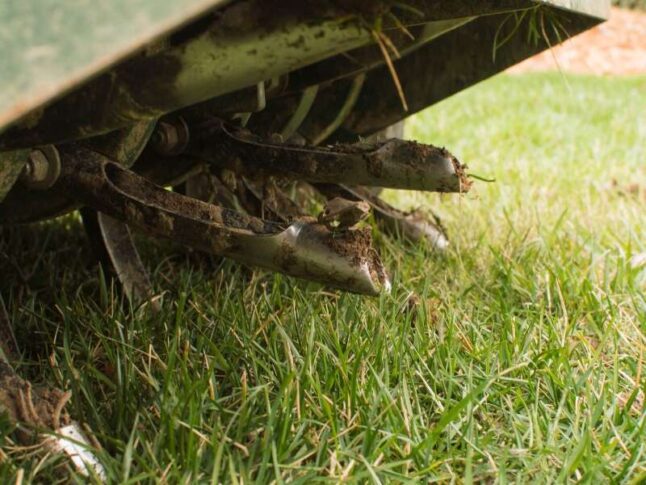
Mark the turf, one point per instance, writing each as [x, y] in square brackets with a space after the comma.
[523, 362]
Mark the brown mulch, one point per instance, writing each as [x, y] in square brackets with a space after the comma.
[616, 47]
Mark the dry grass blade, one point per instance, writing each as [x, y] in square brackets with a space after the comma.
[391, 67]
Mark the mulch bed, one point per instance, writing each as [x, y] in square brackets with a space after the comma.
[616, 47]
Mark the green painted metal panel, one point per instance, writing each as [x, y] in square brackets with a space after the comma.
[50, 46]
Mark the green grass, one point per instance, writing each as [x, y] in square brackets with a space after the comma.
[524, 361]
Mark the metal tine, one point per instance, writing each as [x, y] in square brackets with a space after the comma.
[344, 260]
[393, 163]
[116, 251]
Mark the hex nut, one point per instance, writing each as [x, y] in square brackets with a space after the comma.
[170, 137]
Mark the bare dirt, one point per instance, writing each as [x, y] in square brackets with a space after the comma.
[616, 47]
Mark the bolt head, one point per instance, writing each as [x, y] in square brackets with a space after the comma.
[170, 137]
[42, 169]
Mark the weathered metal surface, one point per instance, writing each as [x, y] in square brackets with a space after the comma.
[247, 43]
[207, 187]
[441, 18]
[269, 200]
[124, 146]
[170, 137]
[52, 46]
[433, 71]
[394, 163]
[364, 58]
[240, 49]
[445, 9]
[344, 260]
[415, 227]
[262, 199]
[246, 100]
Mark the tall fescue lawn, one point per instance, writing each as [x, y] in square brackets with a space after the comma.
[524, 360]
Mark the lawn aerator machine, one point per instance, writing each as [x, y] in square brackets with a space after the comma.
[216, 123]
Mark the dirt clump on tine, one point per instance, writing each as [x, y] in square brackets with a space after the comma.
[33, 406]
[356, 243]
